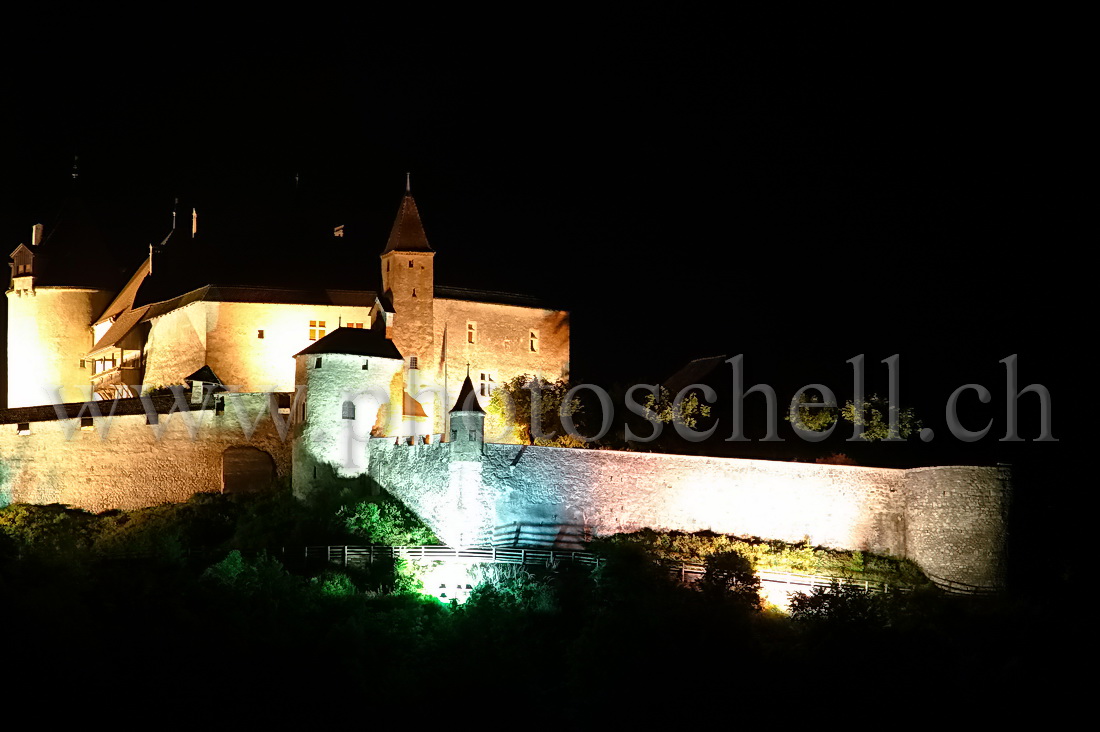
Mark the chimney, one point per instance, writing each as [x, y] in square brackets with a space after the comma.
[36, 235]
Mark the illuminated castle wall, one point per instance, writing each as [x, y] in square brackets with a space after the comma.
[81, 339]
[364, 406]
[132, 459]
[950, 520]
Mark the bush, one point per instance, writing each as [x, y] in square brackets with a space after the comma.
[47, 530]
[839, 604]
[388, 522]
[730, 576]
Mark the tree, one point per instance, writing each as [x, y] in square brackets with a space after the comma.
[663, 409]
[873, 414]
[817, 419]
[387, 521]
[533, 407]
[730, 575]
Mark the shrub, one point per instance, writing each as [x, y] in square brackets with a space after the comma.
[50, 530]
[386, 521]
[838, 604]
[730, 575]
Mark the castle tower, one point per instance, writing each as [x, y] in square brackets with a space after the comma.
[354, 387]
[467, 424]
[408, 282]
[49, 324]
[469, 522]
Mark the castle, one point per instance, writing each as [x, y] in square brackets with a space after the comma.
[117, 401]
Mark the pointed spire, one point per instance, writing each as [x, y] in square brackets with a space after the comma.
[467, 398]
[407, 234]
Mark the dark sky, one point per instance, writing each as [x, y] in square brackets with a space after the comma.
[685, 186]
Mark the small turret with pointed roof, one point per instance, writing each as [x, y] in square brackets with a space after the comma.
[467, 420]
[467, 398]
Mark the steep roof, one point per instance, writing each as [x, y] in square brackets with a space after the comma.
[467, 398]
[119, 329]
[124, 301]
[443, 292]
[693, 372]
[354, 342]
[407, 234]
[269, 295]
[75, 250]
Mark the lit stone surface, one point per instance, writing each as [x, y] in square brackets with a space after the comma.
[136, 464]
[49, 332]
[950, 520]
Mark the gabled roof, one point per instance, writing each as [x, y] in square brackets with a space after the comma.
[125, 298]
[355, 342]
[442, 292]
[693, 372]
[467, 398]
[219, 293]
[407, 234]
[205, 375]
[119, 329]
[412, 408]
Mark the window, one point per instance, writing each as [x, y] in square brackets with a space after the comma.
[471, 331]
[317, 365]
[534, 341]
[410, 264]
[354, 325]
[347, 411]
[260, 334]
[486, 383]
[366, 364]
[412, 362]
[316, 329]
[87, 423]
[83, 364]
[23, 428]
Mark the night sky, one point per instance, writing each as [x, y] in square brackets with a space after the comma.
[687, 187]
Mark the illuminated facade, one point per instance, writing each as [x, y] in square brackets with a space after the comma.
[69, 343]
[386, 390]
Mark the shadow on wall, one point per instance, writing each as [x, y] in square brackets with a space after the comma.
[568, 537]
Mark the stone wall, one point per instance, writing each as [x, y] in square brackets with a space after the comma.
[502, 345]
[48, 335]
[950, 520]
[123, 462]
